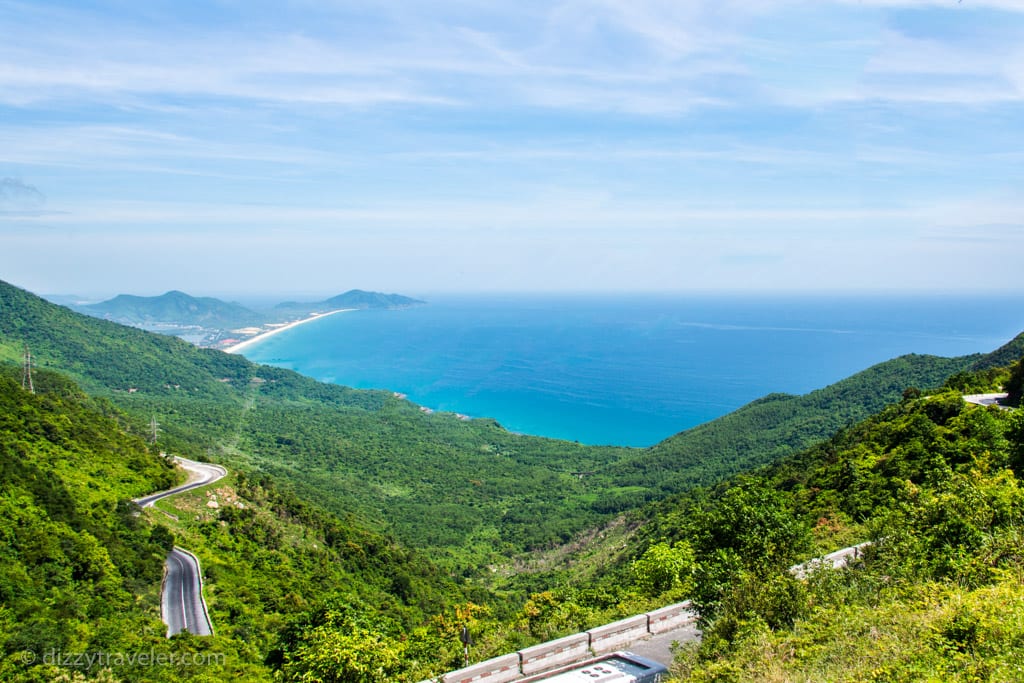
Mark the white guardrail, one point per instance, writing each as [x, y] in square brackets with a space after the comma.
[574, 648]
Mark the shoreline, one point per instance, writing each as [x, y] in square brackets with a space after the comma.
[235, 348]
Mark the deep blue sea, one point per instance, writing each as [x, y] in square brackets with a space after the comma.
[627, 370]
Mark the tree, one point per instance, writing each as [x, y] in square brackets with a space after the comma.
[750, 535]
[338, 644]
[1015, 387]
[663, 567]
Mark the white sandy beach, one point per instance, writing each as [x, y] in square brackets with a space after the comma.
[235, 348]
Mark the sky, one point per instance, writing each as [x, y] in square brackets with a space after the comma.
[296, 146]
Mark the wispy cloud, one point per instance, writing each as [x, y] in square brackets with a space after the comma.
[643, 57]
[15, 192]
[794, 128]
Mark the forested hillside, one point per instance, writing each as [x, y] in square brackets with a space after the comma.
[468, 491]
[80, 571]
[173, 307]
[302, 583]
[81, 567]
[467, 488]
[781, 424]
[931, 482]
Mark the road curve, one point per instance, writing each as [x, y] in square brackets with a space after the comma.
[199, 474]
[987, 400]
[182, 606]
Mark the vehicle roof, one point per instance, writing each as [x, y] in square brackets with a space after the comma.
[612, 668]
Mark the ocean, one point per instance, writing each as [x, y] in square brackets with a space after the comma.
[627, 370]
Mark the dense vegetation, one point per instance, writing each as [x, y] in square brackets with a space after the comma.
[80, 572]
[304, 590]
[81, 568]
[931, 482]
[781, 424]
[468, 492]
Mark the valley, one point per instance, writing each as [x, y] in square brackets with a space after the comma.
[351, 522]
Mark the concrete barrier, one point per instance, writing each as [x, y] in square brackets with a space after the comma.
[618, 633]
[497, 670]
[671, 617]
[575, 648]
[555, 653]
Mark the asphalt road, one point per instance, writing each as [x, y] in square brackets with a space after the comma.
[986, 399]
[200, 474]
[181, 601]
[659, 647]
[181, 604]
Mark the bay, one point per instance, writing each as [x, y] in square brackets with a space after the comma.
[627, 370]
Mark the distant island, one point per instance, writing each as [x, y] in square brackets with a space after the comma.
[354, 298]
[211, 322]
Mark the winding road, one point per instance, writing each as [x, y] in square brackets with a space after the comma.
[181, 603]
[199, 474]
[987, 400]
[182, 606]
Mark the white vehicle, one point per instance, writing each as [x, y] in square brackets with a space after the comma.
[620, 667]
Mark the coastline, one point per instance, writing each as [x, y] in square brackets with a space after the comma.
[236, 348]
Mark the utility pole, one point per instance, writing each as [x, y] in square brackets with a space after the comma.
[467, 640]
[26, 377]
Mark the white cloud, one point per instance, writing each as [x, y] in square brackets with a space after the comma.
[631, 129]
[644, 57]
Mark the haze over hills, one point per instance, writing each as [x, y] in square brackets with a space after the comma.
[354, 298]
[206, 321]
[173, 307]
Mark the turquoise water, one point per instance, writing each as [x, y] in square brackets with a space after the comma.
[626, 370]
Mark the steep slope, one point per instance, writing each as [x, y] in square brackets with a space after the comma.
[468, 490]
[782, 424]
[1005, 355]
[932, 482]
[79, 573]
[80, 567]
[470, 484]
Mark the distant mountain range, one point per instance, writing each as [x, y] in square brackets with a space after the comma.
[173, 307]
[206, 320]
[354, 298]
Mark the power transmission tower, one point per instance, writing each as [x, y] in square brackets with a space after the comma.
[26, 377]
[154, 429]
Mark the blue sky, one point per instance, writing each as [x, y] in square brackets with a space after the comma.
[249, 147]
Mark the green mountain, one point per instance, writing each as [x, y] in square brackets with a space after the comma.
[469, 491]
[932, 483]
[77, 569]
[304, 579]
[80, 568]
[781, 424]
[173, 307]
[355, 298]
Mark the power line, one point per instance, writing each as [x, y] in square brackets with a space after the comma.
[26, 376]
